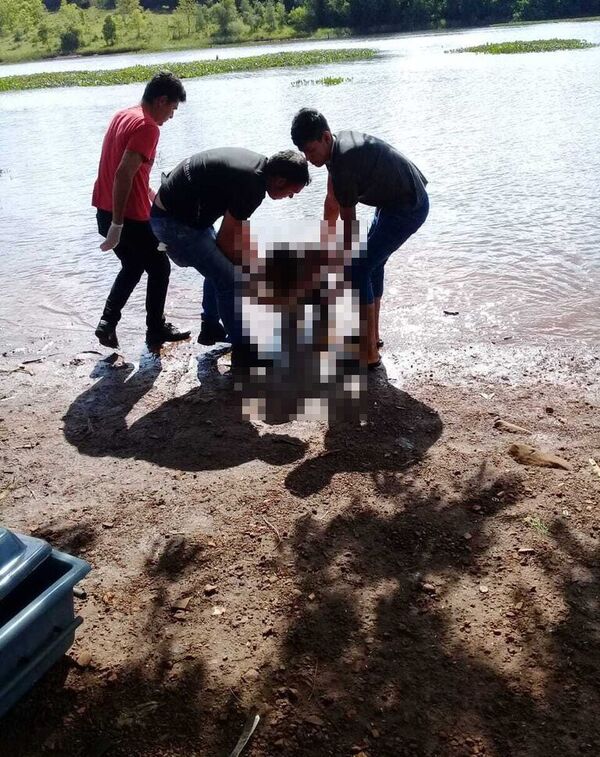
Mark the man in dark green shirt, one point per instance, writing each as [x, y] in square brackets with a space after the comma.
[368, 170]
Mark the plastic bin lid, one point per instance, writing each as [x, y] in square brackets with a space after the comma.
[19, 556]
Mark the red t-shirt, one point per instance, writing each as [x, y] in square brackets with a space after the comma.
[130, 129]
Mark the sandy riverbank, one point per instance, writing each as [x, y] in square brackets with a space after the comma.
[404, 588]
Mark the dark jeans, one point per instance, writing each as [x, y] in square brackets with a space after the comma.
[138, 252]
[197, 248]
[389, 230]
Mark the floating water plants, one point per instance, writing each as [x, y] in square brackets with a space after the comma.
[326, 81]
[529, 46]
[188, 70]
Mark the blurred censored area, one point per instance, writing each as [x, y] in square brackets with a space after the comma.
[301, 319]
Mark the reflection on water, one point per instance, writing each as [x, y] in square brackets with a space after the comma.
[510, 146]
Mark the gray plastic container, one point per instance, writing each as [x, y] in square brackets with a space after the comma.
[37, 618]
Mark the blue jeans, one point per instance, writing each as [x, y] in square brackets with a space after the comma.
[210, 302]
[389, 230]
[197, 248]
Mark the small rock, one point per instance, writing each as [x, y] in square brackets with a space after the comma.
[483, 589]
[526, 550]
[314, 720]
[108, 524]
[251, 675]
[429, 588]
[84, 659]
[467, 536]
[217, 610]
[210, 589]
[511, 427]
[181, 604]
[311, 597]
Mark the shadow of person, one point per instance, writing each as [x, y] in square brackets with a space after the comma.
[397, 433]
[95, 422]
[205, 431]
[201, 430]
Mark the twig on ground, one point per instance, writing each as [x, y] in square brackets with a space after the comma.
[249, 728]
[273, 528]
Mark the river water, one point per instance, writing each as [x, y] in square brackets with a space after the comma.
[510, 145]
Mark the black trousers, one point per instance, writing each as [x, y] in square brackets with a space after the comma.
[138, 252]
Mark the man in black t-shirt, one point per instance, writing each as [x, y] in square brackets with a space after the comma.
[229, 182]
[368, 170]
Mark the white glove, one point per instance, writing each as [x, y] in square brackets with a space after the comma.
[112, 238]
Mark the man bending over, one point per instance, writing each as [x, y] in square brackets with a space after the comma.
[228, 183]
[365, 169]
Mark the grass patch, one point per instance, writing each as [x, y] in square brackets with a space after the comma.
[531, 46]
[326, 81]
[533, 521]
[188, 70]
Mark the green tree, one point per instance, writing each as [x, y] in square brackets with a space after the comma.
[43, 33]
[128, 10]
[300, 19]
[22, 16]
[201, 18]
[269, 16]
[109, 30]
[249, 14]
[224, 14]
[188, 9]
[70, 40]
[8, 14]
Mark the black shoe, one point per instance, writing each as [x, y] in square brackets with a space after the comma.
[211, 332]
[107, 335]
[166, 333]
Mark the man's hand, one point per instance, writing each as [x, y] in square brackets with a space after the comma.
[112, 238]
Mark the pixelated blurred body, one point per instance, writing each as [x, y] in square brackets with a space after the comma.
[301, 315]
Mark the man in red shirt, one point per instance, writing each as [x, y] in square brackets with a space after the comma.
[123, 197]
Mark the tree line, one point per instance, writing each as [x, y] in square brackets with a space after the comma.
[68, 25]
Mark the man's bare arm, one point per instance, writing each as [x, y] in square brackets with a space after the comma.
[348, 216]
[331, 208]
[233, 238]
[128, 167]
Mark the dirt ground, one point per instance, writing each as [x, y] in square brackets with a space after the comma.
[400, 588]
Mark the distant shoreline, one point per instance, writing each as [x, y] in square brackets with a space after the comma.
[321, 35]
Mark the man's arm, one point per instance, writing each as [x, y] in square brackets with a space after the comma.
[233, 238]
[348, 216]
[128, 167]
[331, 209]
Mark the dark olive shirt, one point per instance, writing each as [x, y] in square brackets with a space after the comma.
[370, 171]
[204, 187]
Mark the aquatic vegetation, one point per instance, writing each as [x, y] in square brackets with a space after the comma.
[326, 81]
[186, 70]
[527, 46]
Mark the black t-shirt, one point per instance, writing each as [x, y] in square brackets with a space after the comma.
[204, 187]
[368, 170]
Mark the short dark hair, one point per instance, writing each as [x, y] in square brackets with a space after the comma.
[308, 125]
[164, 84]
[289, 165]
